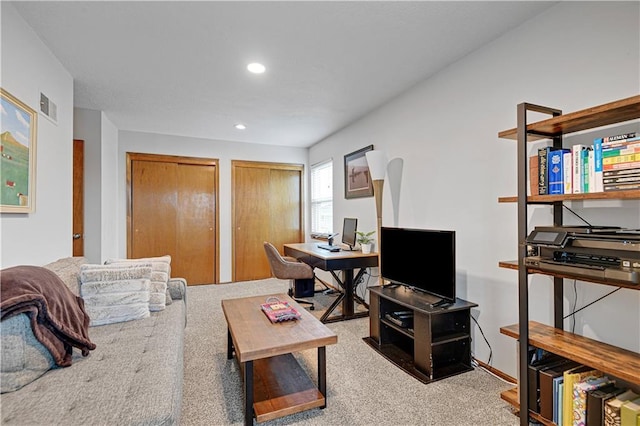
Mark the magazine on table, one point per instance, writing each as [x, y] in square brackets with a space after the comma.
[277, 310]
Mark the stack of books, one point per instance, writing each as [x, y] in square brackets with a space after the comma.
[610, 164]
[621, 162]
[570, 394]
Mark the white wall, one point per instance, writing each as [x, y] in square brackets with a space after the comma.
[28, 68]
[100, 182]
[87, 126]
[224, 151]
[109, 189]
[573, 56]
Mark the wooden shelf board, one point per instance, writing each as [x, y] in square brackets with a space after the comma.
[601, 115]
[404, 361]
[544, 199]
[609, 359]
[508, 264]
[406, 331]
[511, 396]
[448, 338]
[513, 264]
[281, 387]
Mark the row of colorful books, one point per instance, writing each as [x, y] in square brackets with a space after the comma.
[610, 164]
[570, 394]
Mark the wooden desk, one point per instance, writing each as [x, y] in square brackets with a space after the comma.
[275, 385]
[344, 260]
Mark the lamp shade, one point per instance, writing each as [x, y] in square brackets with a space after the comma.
[377, 162]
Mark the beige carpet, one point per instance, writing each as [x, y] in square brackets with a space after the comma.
[363, 388]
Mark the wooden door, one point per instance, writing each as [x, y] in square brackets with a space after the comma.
[285, 207]
[78, 198]
[251, 223]
[196, 233]
[153, 214]
[173, 210]
[267, 206]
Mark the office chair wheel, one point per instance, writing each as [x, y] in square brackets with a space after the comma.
[312, 308]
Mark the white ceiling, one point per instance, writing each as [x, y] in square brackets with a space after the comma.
[180, 67]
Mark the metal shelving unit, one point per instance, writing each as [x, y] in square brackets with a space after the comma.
[535, 334]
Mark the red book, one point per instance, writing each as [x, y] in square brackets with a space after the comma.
[278, 311]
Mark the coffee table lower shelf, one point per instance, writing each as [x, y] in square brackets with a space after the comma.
[282, 387]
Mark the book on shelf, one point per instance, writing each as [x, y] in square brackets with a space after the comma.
[596, 399]
[576, 155]
[617, 138]
[621, 187]
[572, 377]
[533, 174]
[591, 171]
[629, 412]
[543, 173]
[623, 158]
[621, 166]
[555, 171]
[549, 379]
[624, 149]
[558, 420]
[632, 178]
[546, 360]
[613, 405]
[597, 165]
[585, 168]
[624, 172]
[567, 167]
[580, 390]
[621, 145]
[278, 311]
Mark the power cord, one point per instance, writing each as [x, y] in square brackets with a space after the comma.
[485, 339]
[577, 215]
[572, 314]
[356, 285]
[575, 304]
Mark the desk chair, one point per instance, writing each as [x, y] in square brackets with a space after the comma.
[287, 268]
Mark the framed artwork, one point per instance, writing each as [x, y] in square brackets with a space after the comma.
[18, 149]
[357, 182]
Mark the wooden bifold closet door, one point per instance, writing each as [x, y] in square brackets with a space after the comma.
[267, 206]
[172, 209]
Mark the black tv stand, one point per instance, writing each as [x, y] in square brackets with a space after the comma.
[438, 344]
[443, 303]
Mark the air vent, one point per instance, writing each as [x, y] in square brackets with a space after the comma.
[48, 108]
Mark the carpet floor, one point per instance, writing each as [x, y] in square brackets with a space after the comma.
[363, 388]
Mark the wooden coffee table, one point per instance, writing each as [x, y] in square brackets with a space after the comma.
[275, 385]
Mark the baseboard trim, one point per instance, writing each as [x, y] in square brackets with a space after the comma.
[495, 371]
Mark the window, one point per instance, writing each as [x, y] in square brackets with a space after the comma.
[322, 197]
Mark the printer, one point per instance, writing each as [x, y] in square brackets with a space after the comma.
[606, 254]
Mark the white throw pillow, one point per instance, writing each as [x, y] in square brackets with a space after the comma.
[159, 278]
[115, 293]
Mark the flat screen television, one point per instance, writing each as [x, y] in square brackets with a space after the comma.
[421, 259]
[349, 228]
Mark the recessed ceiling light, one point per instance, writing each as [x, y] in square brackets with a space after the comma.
[240, 126]
[256, 68]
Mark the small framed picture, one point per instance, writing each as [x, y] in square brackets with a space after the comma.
[357, 181]
[18, 148]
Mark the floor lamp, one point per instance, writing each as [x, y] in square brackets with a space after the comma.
[377, 162]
